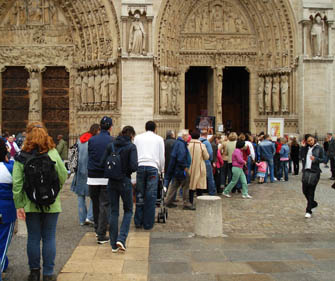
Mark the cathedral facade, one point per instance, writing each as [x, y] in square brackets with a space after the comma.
[68, 63]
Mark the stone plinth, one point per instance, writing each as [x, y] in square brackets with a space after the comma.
[208, 220]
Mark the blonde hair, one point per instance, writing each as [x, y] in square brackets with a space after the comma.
[232, 136]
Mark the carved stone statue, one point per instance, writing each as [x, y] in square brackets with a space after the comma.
[260, 94]
[34, 90]
[219, 96]
[77, 91]
[84, 88]
[104, 89]
[137, 37]
[317, 36]
[170, 93]
[267, 91]
[164, 93]
[275, 94]
[90, 89]
[284, 93]
[176, 95]
[217, 18]
[112, 87]
[97, 88]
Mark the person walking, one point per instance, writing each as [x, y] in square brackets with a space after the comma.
[312, 156]
[284, 157]
[121, 188]
[79, 183]
[150, 153]
[198, 173]
[62, 147]
[295, 153]
[238, 173]
[96, 181]
[168, 144]
[266, 151]
[7, 207]
[331, 154]
[230, 147]
[41, 221]
[178, 172]
[325, 149]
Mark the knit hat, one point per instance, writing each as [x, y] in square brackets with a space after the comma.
[106, 122]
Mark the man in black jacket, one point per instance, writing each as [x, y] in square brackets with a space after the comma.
[96, 181]
[331, 154]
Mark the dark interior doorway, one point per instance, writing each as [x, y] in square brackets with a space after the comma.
[235, 99]
[197, 87]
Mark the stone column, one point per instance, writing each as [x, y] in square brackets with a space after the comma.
[182, 95]
[218, 75]
[72, 105]
[330, 42]
[2, 69]
[34, 84]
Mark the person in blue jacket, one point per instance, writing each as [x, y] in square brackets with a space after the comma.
[7, 207]
[180, 162]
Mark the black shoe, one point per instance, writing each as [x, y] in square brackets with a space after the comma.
[34, 275]
[103, 240]
[332, 178]
[187, 207]
[49, 278]
[171, 205]
[239, 191]
[138, 226]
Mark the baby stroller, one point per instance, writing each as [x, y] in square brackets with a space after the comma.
[162, 210]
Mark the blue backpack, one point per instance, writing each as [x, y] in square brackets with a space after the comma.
[113, 167]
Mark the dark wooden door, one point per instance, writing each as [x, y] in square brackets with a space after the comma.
[55, 101]
[235, 99]
[15, 100]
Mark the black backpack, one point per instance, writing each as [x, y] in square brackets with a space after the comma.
[41, 182]
[113, 166]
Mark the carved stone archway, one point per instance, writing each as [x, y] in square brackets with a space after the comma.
[258, 35]
[83, 36]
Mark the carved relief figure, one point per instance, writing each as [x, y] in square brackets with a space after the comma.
[175, 95]
[164, 93]
[112, 86]
[84, 88]
[219, 96]
[34, 90]
[317, 36]
[267, 91]
[275, 94]
[77, 91]
[34, 11]
[198, 21]
[137, 37]
[205, 21]
[284, 93]
[97, 88]
[217, 19]
[90, 89]
[104, 88]
[260, 94]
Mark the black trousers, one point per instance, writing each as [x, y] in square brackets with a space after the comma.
[296, 166]
[332, 166]
[101, 208]
[224, 174]
[309, 192]
[192, 192]
[276, 162]
[217, 180]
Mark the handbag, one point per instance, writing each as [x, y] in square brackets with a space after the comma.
[310, 178]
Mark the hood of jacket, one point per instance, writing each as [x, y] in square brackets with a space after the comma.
[85, 137]
[122, 141]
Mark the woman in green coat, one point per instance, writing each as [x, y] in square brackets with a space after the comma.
[41, 221]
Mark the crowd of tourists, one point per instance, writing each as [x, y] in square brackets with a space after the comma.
[32, 173]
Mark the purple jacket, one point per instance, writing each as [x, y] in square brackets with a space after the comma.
[237, 158]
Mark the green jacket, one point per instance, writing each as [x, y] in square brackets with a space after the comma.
[20, 197]
[62, 149]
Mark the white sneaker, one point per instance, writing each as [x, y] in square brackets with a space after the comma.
[308, 215]
[226, 195]
[275, 179]
[246, 196]
[282, 180]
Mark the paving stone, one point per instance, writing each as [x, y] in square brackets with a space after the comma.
[98, 277]
[111, 266]
[169, 268]
[325, 265]
[157, 255]
[84, 253]
[291, 276]
[142, 242]
[302, 266]
[222, 267]
[71, 277]
[270, 267]
[182, 277]
[135, 267]
[76, 267]
[321, 253]
[245, 277]
[209, 256]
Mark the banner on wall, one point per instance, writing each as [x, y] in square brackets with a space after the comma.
[276, 128]
[206, 122]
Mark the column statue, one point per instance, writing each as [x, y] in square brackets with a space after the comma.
[275, 94]
[34, 91]
[137, 37]
[90, 89]
[112, 84]
[169, 94]
[260, 94]
[317, 34]
[104, 89]
[97, 88]
[84, 88]
[163, 93]
[267, 91]
[77, 91]
[284, 93]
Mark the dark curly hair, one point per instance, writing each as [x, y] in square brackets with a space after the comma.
[3, 150]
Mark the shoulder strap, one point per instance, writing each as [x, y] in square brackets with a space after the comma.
[113, 148]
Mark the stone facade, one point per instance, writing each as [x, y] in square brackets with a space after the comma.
[129, 58]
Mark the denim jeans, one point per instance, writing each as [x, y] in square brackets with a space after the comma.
[283, 167]
[271, 168]
[125, 191]
[42, 226]
[82, 209]
[210, 178]
[249, 167]
[146, 196]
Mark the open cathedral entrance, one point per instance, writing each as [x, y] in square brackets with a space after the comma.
[235, 99]
[198, 85]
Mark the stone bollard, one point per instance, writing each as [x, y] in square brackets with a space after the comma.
[208, 219]
[21, 228]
